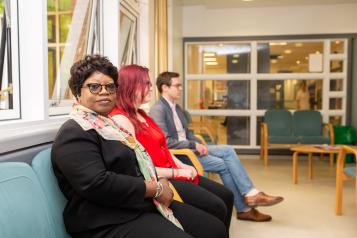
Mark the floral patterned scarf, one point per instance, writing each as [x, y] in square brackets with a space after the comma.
[109, 130]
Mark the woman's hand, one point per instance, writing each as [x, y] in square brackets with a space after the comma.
[167, 195]
[187, 173]
[191, 168]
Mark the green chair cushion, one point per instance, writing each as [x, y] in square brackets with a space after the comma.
[307, 123]
[279, 122]
[313, 140]
[283, 139]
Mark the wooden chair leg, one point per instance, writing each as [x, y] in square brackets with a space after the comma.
[331, 159]
[356, 189]
[310, 166]
[266, 155]
[295, 167]
[321, 156]
[339, 190]
[339, 183]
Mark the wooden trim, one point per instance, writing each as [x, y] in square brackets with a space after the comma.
[161, 37]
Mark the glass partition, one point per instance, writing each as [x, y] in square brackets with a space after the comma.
[233, 130]
[337, 47]
[335, 120]
[222, 58]
[289, 57]
[336, 85]
[234, 82]
[283, 94]
[219, 94]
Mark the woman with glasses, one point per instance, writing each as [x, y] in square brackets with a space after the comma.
[135, 90]
[107, 176]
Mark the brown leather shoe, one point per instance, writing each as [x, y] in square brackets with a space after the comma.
[262, 199]
[253, 215]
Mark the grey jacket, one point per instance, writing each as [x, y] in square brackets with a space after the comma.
[163, 116]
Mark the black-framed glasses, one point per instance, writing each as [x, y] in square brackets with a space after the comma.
[96, 88]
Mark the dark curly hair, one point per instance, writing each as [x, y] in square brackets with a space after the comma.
[165, 78]
[84, 68]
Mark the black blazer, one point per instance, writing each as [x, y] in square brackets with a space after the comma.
[100, 178]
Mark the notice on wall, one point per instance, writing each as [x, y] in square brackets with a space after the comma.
[315, 62]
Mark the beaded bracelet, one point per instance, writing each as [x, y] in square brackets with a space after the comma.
[159, 189]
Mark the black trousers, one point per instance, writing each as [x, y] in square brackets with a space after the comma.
[209, 196]
[196, 223]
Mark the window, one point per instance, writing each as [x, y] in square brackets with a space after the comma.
[9, 84]
[219, 94]
[229, 84]
[288, 57]
[128, 40]
[220, 58]
[283, 94]
[73, 29]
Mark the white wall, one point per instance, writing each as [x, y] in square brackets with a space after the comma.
[199, 21]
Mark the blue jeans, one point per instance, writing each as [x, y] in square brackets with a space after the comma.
[222, 159]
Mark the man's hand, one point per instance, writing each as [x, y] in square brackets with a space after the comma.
[167, 195]
[202, 150]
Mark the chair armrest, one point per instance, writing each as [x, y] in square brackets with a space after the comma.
[349, 149]
[341, 156]
[202, 129]
[200, 137]
[329, 128]
[189, 153]
[177, 196]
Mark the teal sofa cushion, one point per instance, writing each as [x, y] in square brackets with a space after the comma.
[283, 139]
[42, 166]
[313, 140]
[279, 123]
[23, 206]
[351, 171]
[307, 123]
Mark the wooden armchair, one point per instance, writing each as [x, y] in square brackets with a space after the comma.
[193, 158]
[342, 173]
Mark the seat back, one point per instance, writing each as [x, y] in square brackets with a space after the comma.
[307, 123]
[23, 207]
[42, 166]
[279, 122]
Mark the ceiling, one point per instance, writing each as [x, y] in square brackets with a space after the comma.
[260, 3]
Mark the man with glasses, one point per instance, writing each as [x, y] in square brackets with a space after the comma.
[220, 159]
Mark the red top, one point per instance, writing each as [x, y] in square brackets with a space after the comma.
[154, 141]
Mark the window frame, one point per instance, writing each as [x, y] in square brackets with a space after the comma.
[59, 106]
[130, 9]
[15, 113]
